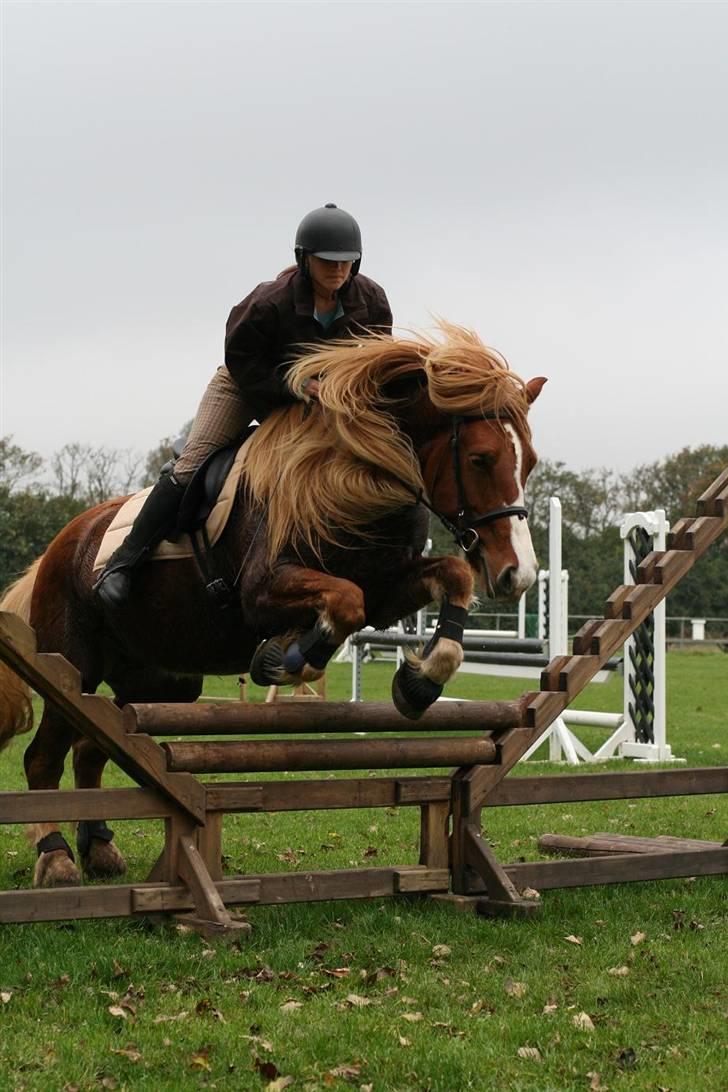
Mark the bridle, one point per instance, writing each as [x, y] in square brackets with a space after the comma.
[464, 529]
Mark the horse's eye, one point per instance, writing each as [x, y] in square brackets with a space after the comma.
[483, 461]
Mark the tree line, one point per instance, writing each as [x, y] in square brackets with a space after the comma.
[40, 496]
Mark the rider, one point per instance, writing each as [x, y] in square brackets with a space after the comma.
[323, 296]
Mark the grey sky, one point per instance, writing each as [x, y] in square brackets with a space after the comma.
[553, 175]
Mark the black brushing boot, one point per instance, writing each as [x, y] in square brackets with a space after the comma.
[156, 518]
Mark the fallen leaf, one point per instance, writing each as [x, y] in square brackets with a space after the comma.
[337, 972]
[549, 1008]
[583, 1021]
[515, 989]
[529, 1052]
[618, 972]
[130, 1053]
[171, 1019]
[637, 938]
[117, 1010]
[573, 940]
[531, 893]
[357, 1001]
[201, 1059]
[412, 1017]
[441, 951]
[5, 996]
[291, 1006]
[404, 1042]
[268, 1070]
[279, 1084]
[348, 1072]
[595, 1083]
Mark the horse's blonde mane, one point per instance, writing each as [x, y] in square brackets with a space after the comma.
[333, 467]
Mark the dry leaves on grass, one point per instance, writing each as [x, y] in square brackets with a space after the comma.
[637, 938]
[618, 972]
[291, 1006]
[515, 989]
[574, 940]
[595, 1083]
[412, 1017]
[529, 1052]
[343, 1072]
[441, 951]
[582, 1021]
[130, 1053]
[5, 996]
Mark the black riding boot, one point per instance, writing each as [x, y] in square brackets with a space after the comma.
[156, 518]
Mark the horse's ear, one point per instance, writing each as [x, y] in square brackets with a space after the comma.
[533, 388]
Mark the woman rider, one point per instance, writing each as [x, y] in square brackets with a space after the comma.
[323, 296]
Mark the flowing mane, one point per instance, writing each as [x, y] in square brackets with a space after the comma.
[334, 467]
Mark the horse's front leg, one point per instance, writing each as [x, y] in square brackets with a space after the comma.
[317, 611]
[447, 581]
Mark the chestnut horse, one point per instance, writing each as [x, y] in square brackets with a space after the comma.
[325, 537]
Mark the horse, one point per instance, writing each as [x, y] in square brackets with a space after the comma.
[326, 536]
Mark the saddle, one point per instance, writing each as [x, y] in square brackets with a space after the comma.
[204, 510]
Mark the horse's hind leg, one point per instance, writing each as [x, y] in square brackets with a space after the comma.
[94, 839]
[44, 758]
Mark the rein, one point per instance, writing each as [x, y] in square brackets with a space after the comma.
[463, 531]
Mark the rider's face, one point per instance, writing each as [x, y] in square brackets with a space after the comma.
[327, 276]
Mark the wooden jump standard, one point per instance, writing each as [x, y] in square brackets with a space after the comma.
[455, 863]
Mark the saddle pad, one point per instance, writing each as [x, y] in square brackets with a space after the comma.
[120, 526]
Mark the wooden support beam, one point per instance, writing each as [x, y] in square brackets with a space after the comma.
[239, 756]
[622, 868]
[247, 718]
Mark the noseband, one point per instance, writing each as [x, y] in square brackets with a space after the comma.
[464, 529]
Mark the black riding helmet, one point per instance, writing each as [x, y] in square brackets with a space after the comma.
[329, 233]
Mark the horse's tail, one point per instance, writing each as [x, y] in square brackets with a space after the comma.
[16, 709]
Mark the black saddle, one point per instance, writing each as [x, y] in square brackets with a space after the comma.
[205, 485]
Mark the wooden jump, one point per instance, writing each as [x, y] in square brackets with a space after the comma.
[455, 862]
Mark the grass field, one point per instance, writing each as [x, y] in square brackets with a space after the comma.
[622, 987]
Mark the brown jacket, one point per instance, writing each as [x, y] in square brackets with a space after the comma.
[265, 332]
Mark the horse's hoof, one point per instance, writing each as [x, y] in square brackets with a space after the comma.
[56, 869]
[266, 667]
[103, 860]
[412, 692]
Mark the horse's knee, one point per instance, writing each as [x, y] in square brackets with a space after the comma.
[344, 613]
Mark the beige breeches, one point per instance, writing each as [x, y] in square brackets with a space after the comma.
[222, 415]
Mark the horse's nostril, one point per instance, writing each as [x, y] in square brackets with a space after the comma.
[506, 580]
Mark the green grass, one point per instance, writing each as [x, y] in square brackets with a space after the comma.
[203, 1017]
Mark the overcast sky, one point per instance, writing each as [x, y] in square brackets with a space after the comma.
[553, 175]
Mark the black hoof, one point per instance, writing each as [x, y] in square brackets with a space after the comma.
[266, 667]
[412, 692]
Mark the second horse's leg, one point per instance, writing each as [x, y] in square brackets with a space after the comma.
[447, 581]
[335, 608]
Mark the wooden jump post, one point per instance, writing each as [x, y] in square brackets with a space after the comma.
[483, 740]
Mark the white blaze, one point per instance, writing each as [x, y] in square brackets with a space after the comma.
[520, 534]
